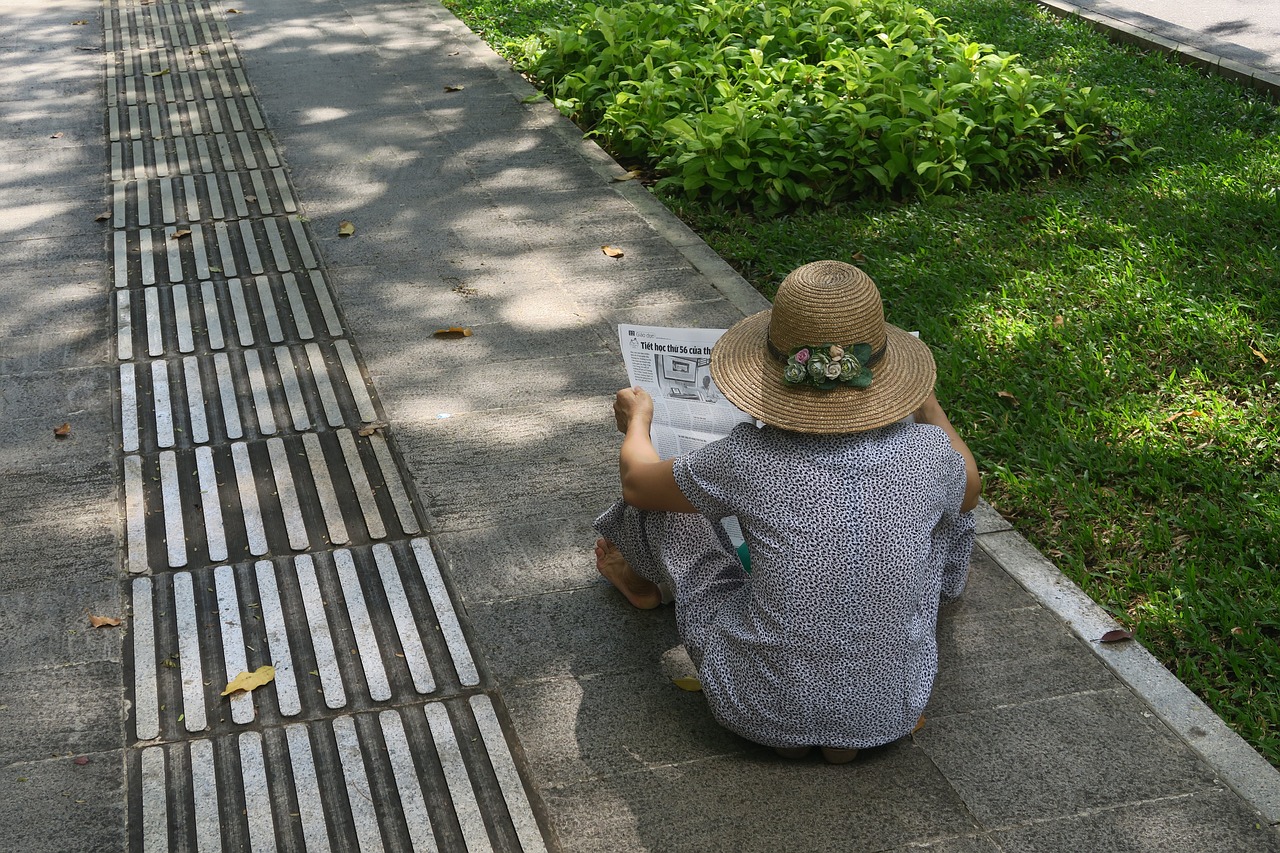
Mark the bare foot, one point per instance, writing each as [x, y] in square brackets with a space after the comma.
[641, 592]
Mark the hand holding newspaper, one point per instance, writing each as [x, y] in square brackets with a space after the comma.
[674, 366]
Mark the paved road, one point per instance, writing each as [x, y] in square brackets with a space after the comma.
[272, 460]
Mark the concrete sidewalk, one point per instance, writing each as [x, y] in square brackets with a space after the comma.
[271, 460]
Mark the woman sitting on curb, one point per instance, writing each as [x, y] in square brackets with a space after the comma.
[856, 521]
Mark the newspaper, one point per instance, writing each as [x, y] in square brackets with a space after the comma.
[674, 366]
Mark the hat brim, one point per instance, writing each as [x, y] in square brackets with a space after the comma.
[751, 379]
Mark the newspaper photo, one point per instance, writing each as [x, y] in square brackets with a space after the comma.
[674, 366]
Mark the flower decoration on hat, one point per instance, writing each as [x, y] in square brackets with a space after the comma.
[828, 366]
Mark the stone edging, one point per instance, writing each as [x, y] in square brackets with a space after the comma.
[1236, 763]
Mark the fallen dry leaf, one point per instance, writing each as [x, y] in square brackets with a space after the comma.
[691, 684]
[160, 73]
[233, 11]
[102, 217]
[1005, 395]
[454, 88]
[611, 251]
[1059, 321]
[370, 429]
[57, 135]
[182, 232]
[858, 257]
[1023, 220]
[62, 431]
[103, 621]
[919, 724]
[78, 23]
[1237, 631]
[249, 680]
[629, 176]
[1119, 635]
[345, 228]
[1259, 354]
[453, 332]
[252, 199]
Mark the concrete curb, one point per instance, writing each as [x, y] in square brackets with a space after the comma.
[1179, 47]
[1241, 767]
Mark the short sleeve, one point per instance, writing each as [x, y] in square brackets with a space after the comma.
[708, 475]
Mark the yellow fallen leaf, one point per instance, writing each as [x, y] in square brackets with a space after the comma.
[919, 724]
[345, 228]
[249, 680]
[453, 332]
[1005, 395]
[691, 684]
[454, 88]
[182, 232]
[1259, 354]
[160, 73]
[62, 431]
[629, 176]
[233, 11]
[102, 217]
[103, 621]
[611, 251]
[78, 23]
[1059, 321]
[370, 429]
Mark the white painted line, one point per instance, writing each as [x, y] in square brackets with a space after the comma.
[189, 192]
[325, 301]
[242, 84]
[233, 651]
[297, 307]
[274, 332]
[184, 80]
[204, 788]
[161, 403]
[190, 665]
[184, 155]
[227, 393]
[415, 656]
[363, 817]
[504, 768]
[304, 245]
[272, 614]
[324, 490]
[237, 194]
[226, 257]
[240, 310]
[234, 112]
[215, 201]
[182, 318]
[212, 319]
[117, 161]
[119, 194]
[128, 409]
[315, 835]
[257, 796]
[113, 117]
[255, 116]
[174, 533]
[282, 184]
[155, 335]
[146, 256]
[195, 399]
[247, 484]
[292, 390]
[155, 802]
[455, 775]
[445, 615]
[362, 627]
[258, 385]
[355, 381]
[135, 515]
[320, 373]
[144, 203]
[288, 495]
[139, 170]
[412, 806]
[211, 504]
[260, 190]
[168, 210]
[250, 247]
[146, 710]
[360, 481]
[124, 325]
[318, 626]
[173, 251]
[197, 123]
[272, 227]
[198, 250]
[395, 487]
[155, 126]
[135, 123]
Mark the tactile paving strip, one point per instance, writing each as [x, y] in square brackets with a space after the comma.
[267, 520]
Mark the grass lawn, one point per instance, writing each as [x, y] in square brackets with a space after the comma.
[1108, 346]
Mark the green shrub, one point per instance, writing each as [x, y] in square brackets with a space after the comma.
[773, 105]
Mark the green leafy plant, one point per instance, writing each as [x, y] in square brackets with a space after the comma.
[772, 106]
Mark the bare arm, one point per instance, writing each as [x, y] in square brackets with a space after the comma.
[930, 412]
[647, 480]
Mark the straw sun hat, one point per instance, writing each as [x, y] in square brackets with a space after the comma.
[825, 313]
